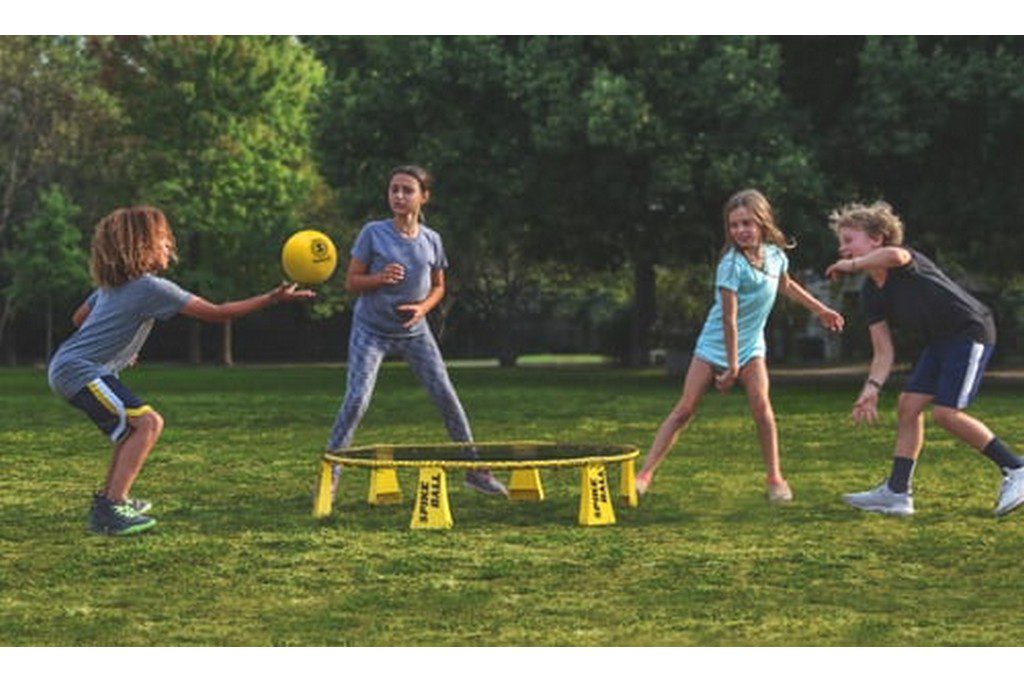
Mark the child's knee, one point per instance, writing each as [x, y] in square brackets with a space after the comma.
[762, 411]
[681, 416]
[907, 410]
[150, 421]
[945, 416]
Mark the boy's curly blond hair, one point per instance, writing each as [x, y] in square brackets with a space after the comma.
[125, 245]
[877, 220]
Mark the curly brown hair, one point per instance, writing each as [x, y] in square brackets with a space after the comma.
[877, 220]
[761, 210]
[126, 243]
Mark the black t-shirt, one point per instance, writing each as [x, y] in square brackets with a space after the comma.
[920, 299]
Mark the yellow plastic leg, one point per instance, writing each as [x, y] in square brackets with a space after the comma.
[322, 500]
[384, 481]
[525, 485]
[595, 499]
[627, 484]
[431, 510]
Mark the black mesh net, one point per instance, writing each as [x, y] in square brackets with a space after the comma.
[490, 452]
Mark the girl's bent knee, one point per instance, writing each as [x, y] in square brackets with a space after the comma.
[762, 412]
[680, 417]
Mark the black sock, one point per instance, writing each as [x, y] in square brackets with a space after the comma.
[902, 474]
[1000, 454]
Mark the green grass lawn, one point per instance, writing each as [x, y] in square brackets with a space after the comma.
[237, 558]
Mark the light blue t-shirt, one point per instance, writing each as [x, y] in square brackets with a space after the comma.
[119, 321]
[379, 244]
[755, 293]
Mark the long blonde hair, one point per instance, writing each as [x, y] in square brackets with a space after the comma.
[759, 208]
[126, 243]
[877, 220]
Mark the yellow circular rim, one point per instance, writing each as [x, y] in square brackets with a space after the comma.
[629, 452]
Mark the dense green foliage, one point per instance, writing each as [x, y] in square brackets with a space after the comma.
[559, 160]
[238, 560]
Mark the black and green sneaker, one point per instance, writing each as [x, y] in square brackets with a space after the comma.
[117, 519]
[141, 506]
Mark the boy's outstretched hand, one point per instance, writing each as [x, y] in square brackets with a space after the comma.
[843, 266]
[865, 408]
[289, 291]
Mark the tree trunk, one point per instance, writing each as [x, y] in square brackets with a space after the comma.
[195, 343]
[5, 317]
[644, 311]
[507, 353]
[12, 344]
[228, 344]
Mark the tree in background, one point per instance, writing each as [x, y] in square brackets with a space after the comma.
[57, 125]
[443, 103]
[48, 263]
[931, 125]
[224, 125]
[641, 140]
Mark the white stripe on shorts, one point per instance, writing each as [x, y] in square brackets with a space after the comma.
[971, 375]
[98, 388]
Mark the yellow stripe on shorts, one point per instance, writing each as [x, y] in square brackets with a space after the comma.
[141, 410]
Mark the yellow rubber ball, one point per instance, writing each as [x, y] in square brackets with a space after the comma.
[309, 257]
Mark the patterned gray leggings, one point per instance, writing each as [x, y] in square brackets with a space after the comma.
[366, 351]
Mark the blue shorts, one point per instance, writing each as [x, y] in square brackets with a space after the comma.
[109, 404]
[950, 372]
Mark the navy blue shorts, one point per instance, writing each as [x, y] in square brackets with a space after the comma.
[109, 404]
[950, 371]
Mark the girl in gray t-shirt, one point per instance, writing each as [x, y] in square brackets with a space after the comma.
[129, 247]
[397, 269]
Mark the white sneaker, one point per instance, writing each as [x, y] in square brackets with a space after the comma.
[1011, 493]
[883, 499]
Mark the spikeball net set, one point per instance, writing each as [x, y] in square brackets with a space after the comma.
[524, 459]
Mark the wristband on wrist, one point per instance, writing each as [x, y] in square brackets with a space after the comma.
[874, 382]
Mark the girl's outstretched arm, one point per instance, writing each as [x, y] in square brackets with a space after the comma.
[865, 408]
[881, 258]
[794, 291]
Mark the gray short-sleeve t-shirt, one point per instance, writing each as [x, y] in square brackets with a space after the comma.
[379, 244]
[119, 321]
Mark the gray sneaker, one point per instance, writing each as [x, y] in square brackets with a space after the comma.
[1011, 492]
[882, 499]
[484, 482]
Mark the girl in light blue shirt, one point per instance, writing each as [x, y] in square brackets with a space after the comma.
[731, 347]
